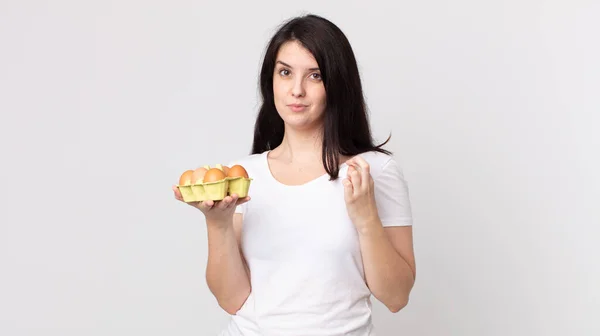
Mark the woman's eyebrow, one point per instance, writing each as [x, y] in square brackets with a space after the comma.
[289, 66]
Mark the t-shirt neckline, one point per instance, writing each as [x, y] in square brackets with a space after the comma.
[265, 160]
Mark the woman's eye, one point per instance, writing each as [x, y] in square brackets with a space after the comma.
[284, 72]
[316, 76]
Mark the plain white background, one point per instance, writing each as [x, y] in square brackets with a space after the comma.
[493, 108]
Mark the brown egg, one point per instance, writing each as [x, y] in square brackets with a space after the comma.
[237, 171]
[225, 169]
[186, 177]
[198, 175]
[213, 175]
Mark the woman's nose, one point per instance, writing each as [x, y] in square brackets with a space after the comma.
[298, 89]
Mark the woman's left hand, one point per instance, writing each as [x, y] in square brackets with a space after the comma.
[359, 193]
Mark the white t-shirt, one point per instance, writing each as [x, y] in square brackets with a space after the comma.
[303, 252]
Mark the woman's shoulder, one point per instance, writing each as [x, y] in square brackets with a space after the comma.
[251, 162]
[379, 162]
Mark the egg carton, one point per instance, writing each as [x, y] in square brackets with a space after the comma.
[239, 185]
[215, 191]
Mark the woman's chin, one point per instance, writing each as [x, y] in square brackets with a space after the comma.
[301, 124]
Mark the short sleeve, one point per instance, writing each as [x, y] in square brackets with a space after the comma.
[392, 196]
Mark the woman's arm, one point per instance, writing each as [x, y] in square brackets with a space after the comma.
[389, 263]
[227, 273]
[387, 252]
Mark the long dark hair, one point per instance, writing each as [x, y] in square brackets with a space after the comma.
[346, 123]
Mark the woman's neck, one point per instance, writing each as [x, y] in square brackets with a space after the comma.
[302, 147]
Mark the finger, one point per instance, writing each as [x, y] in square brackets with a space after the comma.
[206, 205]
[227, 202]
[243, 200]
[355, 178]
[352, 162]
[348, 189]
[220, 204]
[177, 193]
[359, 160]
[233, 200]
[365, 172]
[365, 168]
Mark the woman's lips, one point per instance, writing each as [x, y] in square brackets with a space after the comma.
[297, 107]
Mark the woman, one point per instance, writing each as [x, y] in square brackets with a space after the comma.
[305, 254]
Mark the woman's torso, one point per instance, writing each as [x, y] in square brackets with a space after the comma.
[304, 256]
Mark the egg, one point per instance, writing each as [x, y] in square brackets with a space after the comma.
[237, 171]
[223, 168]
[198, 175]
[186, 177]
[213, 175]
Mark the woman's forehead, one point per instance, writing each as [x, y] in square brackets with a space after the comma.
[293, 54]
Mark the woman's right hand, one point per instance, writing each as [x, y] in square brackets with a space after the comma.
[219, 212]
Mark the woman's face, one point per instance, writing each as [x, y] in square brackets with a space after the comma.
[298, 88]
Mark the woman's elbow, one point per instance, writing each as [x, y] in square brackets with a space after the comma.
[233, 305]
[398, 305]
[230, 307]
[231, 310]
